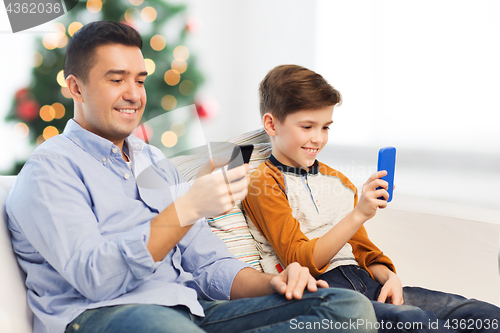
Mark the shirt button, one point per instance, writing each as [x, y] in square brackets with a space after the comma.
[126, 176]
[104, 159]
[115, 150]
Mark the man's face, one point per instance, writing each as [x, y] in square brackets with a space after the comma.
[301, 136]
[114, 98]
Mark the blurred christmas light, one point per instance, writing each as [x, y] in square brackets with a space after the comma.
[38, 59]
[60, 30]
[130, 14]
[59, 109]
[39, 140]
[49, 132]
[63, 42]
[50, 41]
[168, 102]
[47, 113]
[172, 77]
[148, 14]
[74, 27]
[181, 52]
[150, 66]
[94, 6]
[136, 2]
[21, 130]
[158, 42]
[179, 65]
[169, 139]
[186, 87]
[60, 79]
[65, 92]
[179, 128]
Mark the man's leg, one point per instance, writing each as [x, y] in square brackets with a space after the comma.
[134, 318]
[459, 313]
[336, 309]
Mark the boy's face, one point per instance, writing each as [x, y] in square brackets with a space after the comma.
[114, 98]
[302, 135]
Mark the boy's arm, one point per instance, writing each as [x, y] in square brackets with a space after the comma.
[350, 229]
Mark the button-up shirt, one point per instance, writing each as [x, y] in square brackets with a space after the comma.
[80, 223]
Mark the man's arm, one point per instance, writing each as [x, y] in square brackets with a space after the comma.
[291, 283]
[210, 195]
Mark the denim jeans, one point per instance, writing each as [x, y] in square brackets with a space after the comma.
[423, 310]
[327, 309]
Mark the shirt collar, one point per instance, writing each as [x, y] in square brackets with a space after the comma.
[298, 171]
[99, 147]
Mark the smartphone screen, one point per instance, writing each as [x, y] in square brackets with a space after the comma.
[240, 155]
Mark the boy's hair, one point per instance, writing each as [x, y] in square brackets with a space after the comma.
[290, 88]
[80, 53]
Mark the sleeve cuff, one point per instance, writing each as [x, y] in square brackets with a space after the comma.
[133, 247]
[221, 286]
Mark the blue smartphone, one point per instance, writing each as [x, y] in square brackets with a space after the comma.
[387, 161]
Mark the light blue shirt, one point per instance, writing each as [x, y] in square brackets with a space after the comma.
[80, 227]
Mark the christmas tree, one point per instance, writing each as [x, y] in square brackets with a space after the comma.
[42, 109]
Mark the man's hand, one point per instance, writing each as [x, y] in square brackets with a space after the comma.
[293, 280]
[369, 202]
[213, 193]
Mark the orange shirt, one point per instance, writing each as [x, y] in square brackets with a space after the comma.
[289, 209]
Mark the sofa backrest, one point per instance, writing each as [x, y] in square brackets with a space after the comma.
[15, 315]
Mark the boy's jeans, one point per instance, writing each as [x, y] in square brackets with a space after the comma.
[327, 309]
[422, 307]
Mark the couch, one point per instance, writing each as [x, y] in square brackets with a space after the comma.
[399, 230]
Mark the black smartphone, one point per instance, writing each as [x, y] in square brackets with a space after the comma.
[240, 155]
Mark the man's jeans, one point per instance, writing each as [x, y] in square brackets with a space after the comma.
[327, 309]
[423, 310]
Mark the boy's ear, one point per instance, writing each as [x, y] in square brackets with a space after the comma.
[269, 124]
[74, 86]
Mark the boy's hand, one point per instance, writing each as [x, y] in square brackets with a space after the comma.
[392, 290]
[293, 280]
[369, 202]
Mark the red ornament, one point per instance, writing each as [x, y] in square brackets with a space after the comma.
[22, 94]
[206, 109]
[144, 132]
[192, 24]
[27, 110]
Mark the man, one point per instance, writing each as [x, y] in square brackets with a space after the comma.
[102, 254]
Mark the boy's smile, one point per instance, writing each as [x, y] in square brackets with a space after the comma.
[300, 137]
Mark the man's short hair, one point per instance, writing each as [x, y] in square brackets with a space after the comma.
[290, 88]
[80, 53]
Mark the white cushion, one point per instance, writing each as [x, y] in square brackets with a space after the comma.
[15, 315]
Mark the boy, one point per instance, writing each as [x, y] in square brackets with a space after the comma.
[301, 210]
